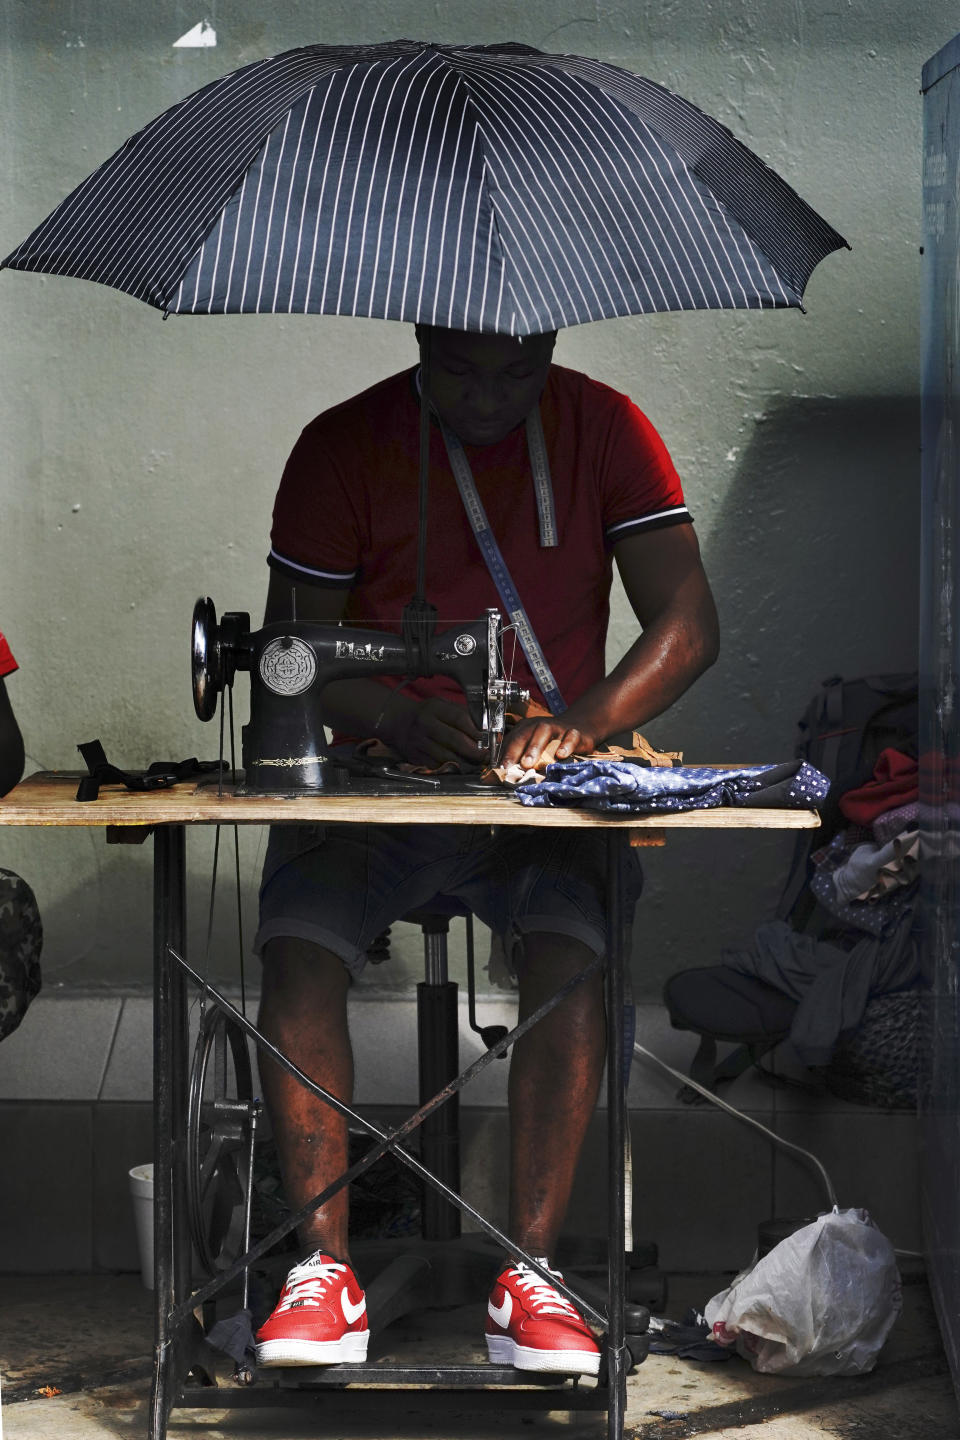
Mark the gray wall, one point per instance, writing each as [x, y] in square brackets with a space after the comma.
[138, 460]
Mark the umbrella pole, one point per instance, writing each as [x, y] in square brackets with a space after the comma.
[419, 616]
[424, 491]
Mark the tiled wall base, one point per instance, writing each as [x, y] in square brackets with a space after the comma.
[64, 1195]
[702, 1182]
[75, 1115]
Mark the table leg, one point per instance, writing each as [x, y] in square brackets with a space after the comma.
[171, 1239]
[617, 958]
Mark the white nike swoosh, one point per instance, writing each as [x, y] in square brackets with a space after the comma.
[500, 1314]
[351, 1312]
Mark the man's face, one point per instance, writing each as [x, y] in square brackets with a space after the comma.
[484, 386]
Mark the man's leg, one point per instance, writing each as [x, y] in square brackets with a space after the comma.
[554, 1080]
[303, 1011]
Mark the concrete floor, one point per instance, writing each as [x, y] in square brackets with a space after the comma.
[75, 1362]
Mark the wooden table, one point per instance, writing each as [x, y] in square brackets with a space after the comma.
[47, 798]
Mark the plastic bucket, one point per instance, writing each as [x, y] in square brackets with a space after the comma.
[141, 1190]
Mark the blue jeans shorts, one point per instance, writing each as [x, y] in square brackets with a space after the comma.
[340, 886]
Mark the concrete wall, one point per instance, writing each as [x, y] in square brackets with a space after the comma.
[138, 460]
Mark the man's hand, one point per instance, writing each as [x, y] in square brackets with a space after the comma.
[528, 740]
[430, 732]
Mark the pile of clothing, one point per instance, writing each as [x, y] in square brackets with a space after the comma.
[845, 987]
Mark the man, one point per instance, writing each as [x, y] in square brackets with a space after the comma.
[344, 544]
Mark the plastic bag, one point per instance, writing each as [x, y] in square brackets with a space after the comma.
[822, 1302]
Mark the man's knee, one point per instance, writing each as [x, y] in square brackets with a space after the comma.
[295, 968]
[548, 961]
[547, 954]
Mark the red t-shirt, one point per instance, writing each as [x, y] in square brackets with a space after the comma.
[346, 515]
[7, 662]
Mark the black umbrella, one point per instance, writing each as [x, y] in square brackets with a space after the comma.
[488, 188]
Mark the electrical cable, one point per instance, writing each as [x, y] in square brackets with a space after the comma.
[646, 1054]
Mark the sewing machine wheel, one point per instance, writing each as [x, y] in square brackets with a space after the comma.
[218, 1141]
[206, 659]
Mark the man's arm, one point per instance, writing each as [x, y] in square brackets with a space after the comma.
[427, 732]
[670, 595]
[11, 743]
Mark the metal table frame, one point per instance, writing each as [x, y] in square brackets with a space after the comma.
[48, 799]
[175, 1299]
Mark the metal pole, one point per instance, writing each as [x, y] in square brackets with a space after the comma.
[617, 1364]
[171, 1249]
[438, 1049]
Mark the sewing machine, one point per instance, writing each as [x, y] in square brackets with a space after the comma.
[284, 750]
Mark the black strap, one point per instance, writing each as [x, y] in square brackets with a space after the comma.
[160, 775]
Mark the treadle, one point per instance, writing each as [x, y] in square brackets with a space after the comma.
[500, 1386]
[492, 1397]
[469, 1375]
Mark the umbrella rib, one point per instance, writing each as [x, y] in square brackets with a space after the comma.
[286, 212]
[236, 239]
[323, 189]
[473, 250]
[216, 266]
[373, 173]
[253, 227]
[306, 195]
[446, 212]
[615, 251]
[433, 194]
[585, 249]
[521, 208]
[486, 269]
[457, 247]
[488, 148]
[351, 74]
[273, 197]
[316, 222]
[417, 194]
[386, 191]
[402, 188]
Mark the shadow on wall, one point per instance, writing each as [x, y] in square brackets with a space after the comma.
[814, 561]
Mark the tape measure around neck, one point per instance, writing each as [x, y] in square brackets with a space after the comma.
[497, 566]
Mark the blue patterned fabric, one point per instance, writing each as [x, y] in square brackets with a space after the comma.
[619, 787]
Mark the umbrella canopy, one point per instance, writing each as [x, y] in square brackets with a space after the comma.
[487, 188]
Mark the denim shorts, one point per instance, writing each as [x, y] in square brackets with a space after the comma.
[340, 886]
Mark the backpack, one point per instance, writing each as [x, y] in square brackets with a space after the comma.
[21, 940]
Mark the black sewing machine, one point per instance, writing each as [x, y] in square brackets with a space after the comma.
[284, 750]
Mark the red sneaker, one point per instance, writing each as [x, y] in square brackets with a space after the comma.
[531, 1326]
[320, 1318]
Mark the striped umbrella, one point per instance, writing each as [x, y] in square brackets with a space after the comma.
[487, 188]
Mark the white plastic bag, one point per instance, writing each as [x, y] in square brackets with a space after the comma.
[822, 1302]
